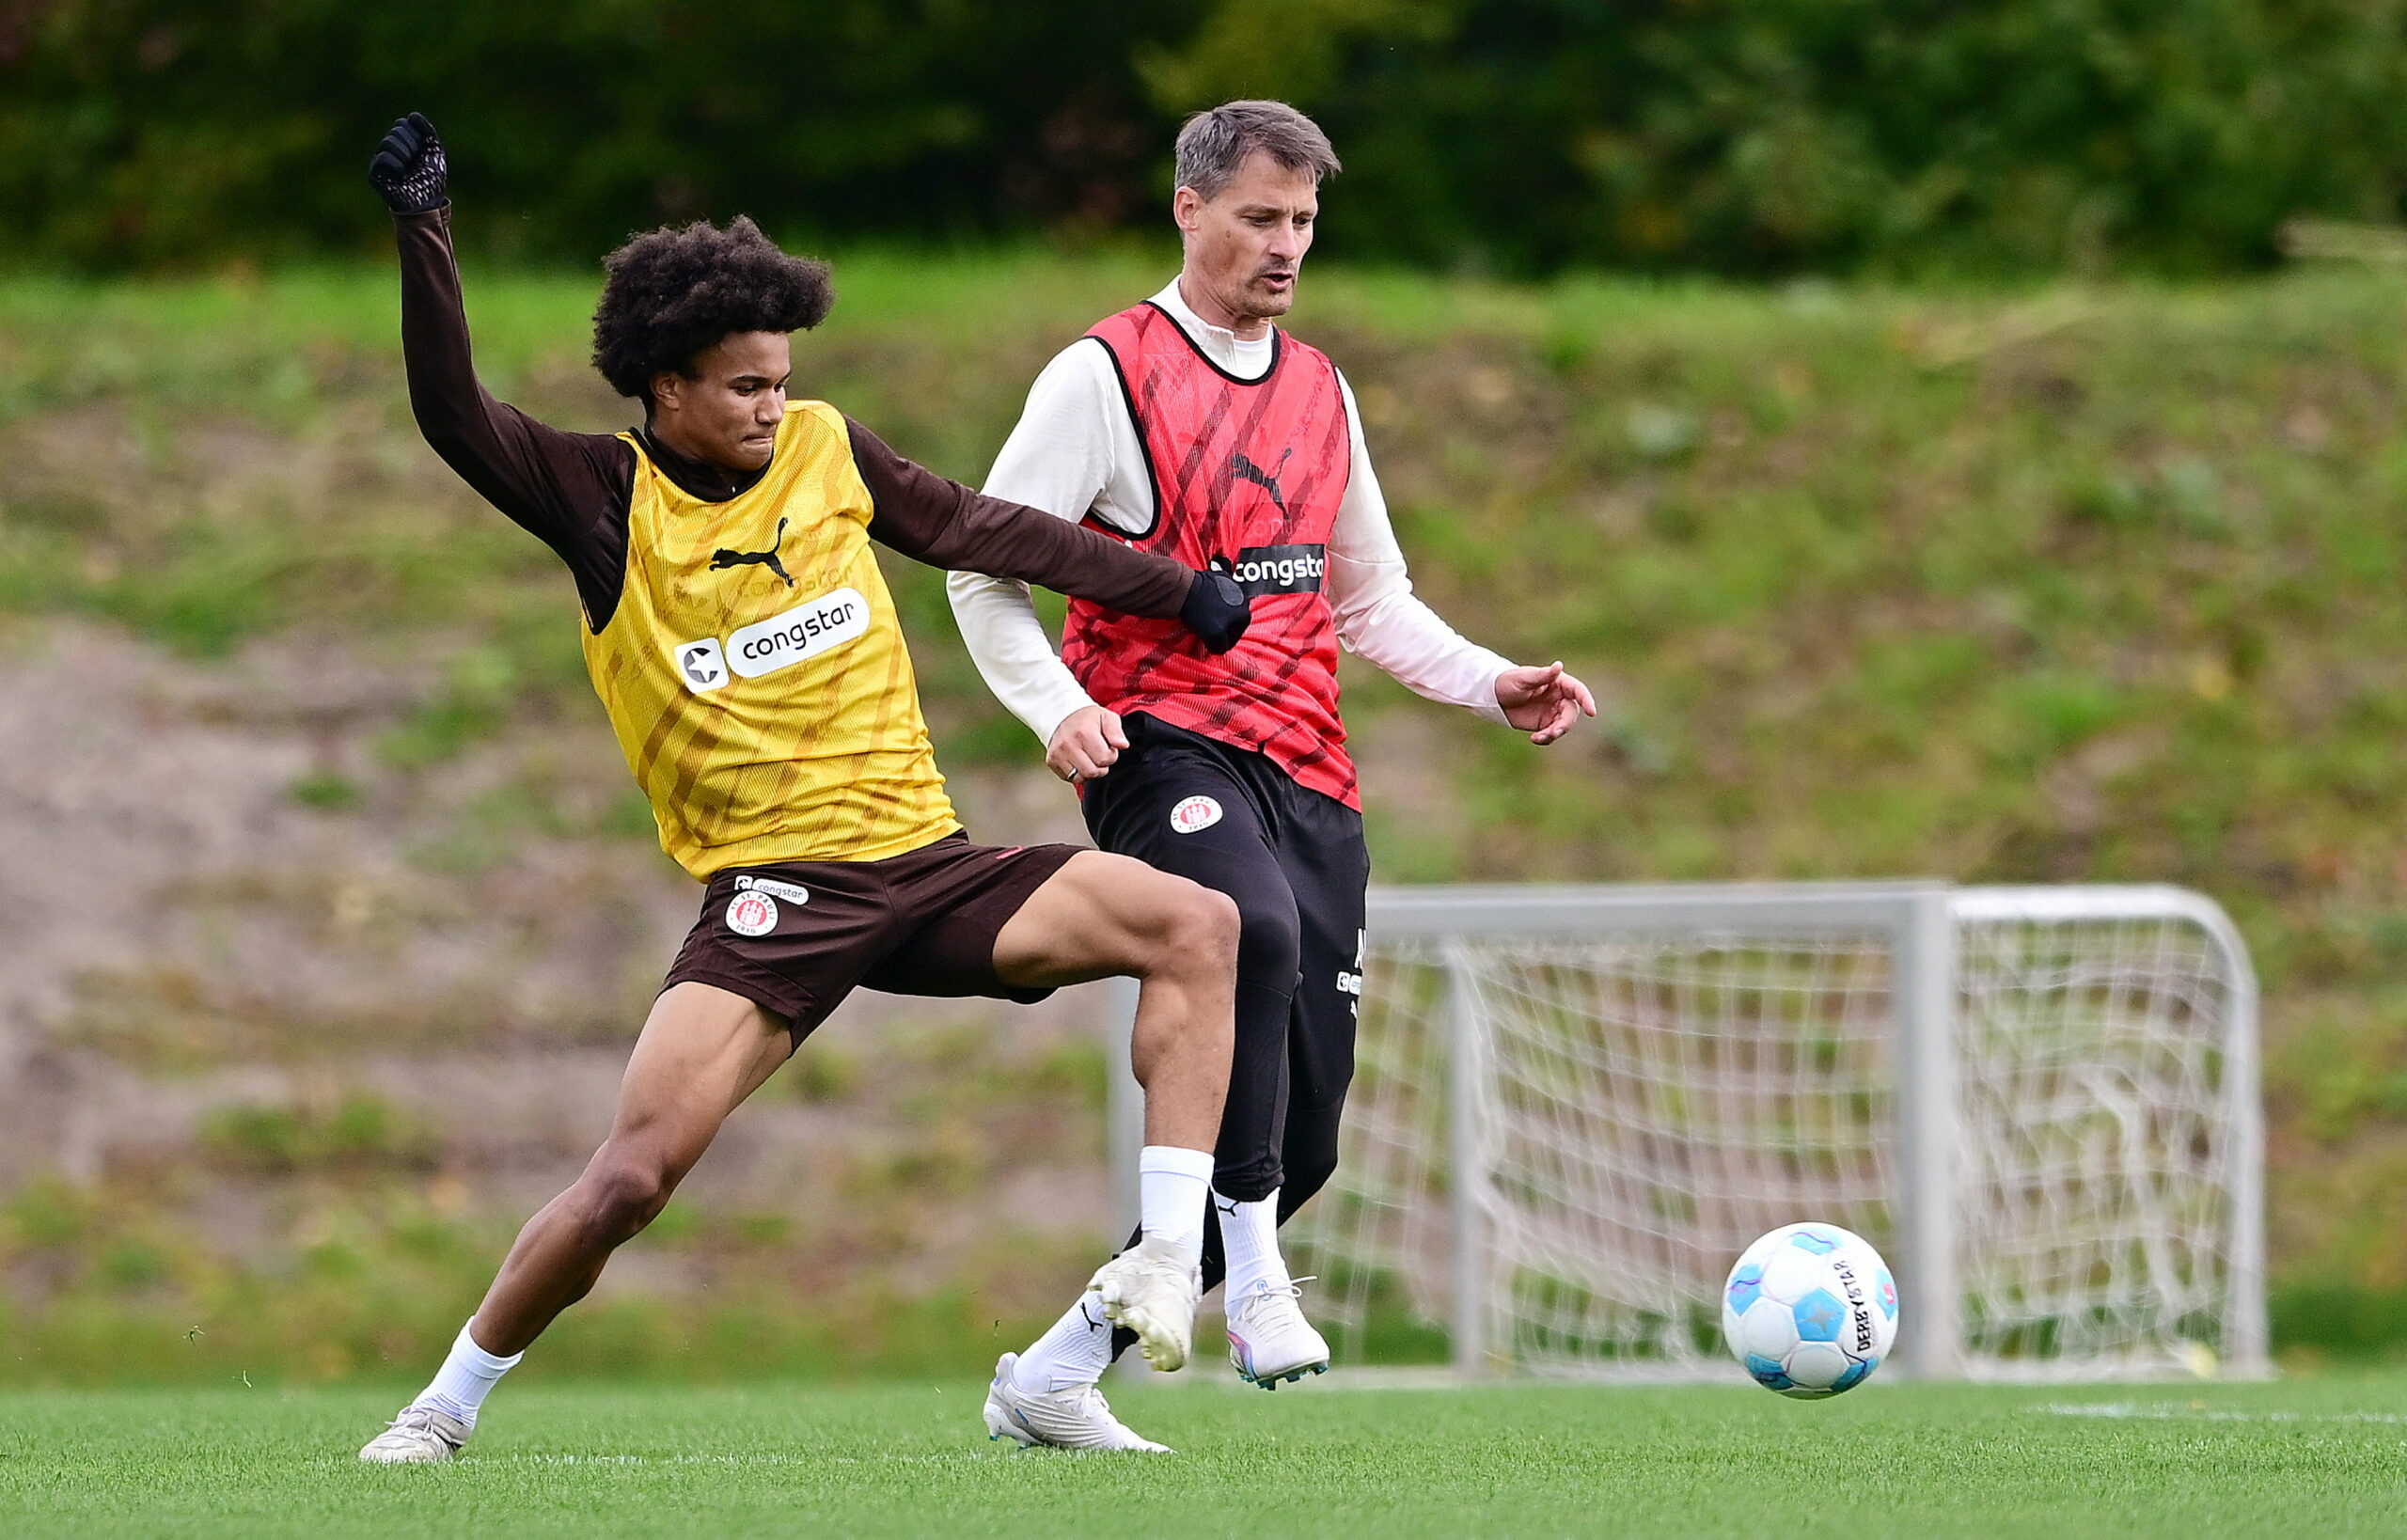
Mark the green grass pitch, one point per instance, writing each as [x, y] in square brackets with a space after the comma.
[2323, 1457]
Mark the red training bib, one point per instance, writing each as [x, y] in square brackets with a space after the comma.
[1247, 476]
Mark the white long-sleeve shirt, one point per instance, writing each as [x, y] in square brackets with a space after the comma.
[1076, 453]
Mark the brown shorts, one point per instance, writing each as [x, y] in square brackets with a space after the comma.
[796, 938]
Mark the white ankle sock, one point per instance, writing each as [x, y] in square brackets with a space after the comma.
[1250, 1232]
[1172, 1185]
[1076, 1350]
[466, 1379]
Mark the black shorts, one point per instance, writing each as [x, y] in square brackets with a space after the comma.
[1295, 862]
[794, 937]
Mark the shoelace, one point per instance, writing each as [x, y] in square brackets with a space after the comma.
[1263, 1293]
[1086, 1402]
[1086, 1398]
[419, 1420]
[1091, 1402]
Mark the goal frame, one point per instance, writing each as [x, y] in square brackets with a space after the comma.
[1919, 920]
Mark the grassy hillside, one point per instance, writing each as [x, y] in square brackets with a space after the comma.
[2065, 585]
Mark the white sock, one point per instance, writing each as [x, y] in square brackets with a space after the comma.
[466, 1379]
[1075, 1351]
[1250, 1232]
[1172, 1186]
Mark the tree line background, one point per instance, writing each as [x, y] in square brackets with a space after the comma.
[1751, 139]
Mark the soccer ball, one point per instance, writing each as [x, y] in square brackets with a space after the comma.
[1810, 1310]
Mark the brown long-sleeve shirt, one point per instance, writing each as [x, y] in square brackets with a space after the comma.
[573, 491]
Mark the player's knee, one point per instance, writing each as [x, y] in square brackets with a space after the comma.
[1200, 928]
[625, 1195]
[1269, 942]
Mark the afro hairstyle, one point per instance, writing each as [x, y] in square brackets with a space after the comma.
[672, 294]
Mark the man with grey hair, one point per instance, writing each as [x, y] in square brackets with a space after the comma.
[1192, 425]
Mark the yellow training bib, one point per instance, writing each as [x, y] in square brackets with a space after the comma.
[754, 671]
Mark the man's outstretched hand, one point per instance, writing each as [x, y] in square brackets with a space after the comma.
[409, 169]
[1217, 610]
[1543, 702]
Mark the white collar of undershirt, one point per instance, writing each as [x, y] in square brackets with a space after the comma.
[1244, 360]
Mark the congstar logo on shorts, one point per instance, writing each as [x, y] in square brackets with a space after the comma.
[1279, 569]
[793, 892]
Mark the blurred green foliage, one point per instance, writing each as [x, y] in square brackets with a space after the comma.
[176, 132]
[1735, 136]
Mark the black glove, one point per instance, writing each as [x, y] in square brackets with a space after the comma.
[1217, 610]
[409, 169]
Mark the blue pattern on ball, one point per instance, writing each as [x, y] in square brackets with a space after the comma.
[1746, 1287]
[1819, 1316]
[1888, 1294]
[1768, 1374]
[1822, 1246]
[1855, 1377]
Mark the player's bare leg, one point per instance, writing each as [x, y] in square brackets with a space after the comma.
[1104, 914]
[704, 1050]
[1102, 917]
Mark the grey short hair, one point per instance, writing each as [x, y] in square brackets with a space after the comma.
[1215, 143]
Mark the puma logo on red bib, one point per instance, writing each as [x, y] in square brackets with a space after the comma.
[1246, 470]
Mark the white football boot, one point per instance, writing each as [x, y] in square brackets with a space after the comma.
[1077, 1418]
[420, 1435]
[1269, 1340]
[1151, 1289]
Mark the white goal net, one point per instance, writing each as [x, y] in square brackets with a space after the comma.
[1574, 1106]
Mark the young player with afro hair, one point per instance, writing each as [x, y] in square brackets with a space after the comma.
[748, 654]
